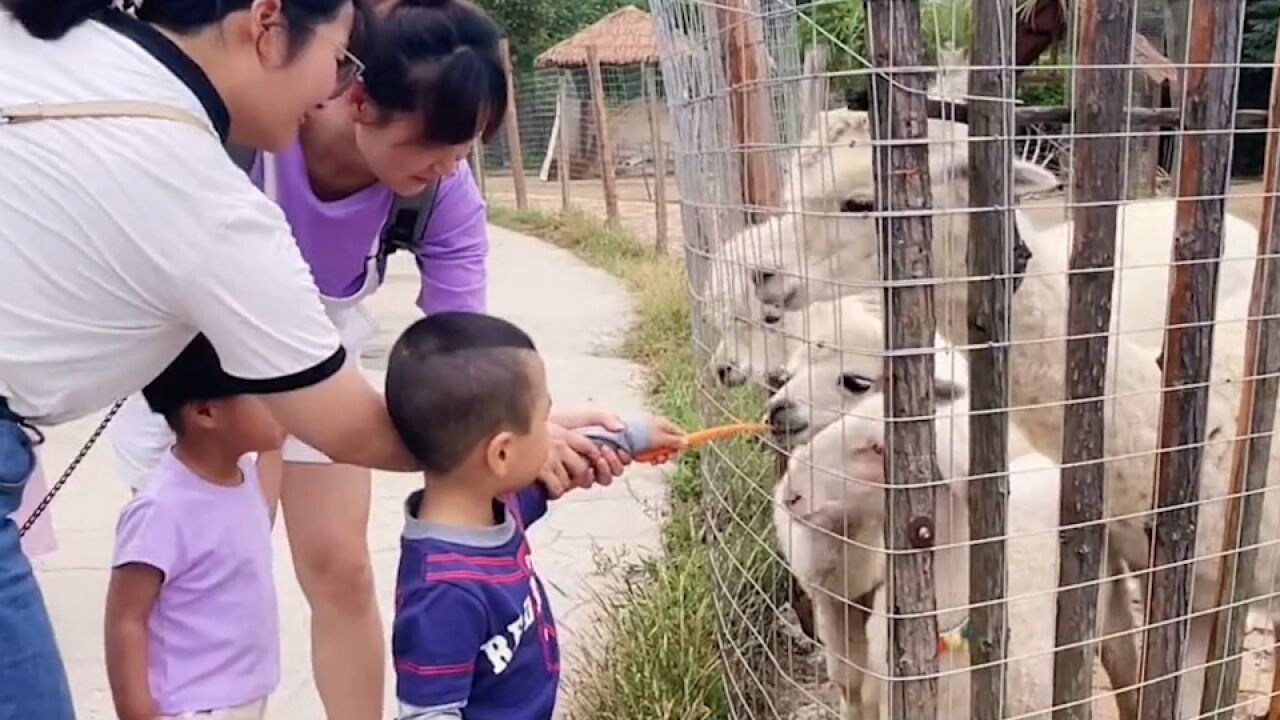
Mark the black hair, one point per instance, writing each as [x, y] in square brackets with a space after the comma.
[439, 59]
[51, 19]
[455, 379]
[195, 375]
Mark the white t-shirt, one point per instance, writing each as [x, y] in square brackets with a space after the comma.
[120, 238]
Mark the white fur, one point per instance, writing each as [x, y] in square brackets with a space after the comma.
[844, 350]
[1037, 370]
[839, 505]
[829, 520]
[799, 257]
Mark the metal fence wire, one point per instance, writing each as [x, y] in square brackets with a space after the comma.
[1001, 276]
[564, 113]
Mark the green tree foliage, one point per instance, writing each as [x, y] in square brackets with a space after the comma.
[841, 25]
[535, 25]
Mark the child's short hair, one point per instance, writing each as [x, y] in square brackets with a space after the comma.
[455, 379]
[195, 375]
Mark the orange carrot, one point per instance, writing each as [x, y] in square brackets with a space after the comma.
[658, 456]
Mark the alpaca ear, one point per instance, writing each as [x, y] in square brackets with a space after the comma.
[1029, 178]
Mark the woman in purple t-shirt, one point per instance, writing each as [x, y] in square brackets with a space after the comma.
[432, 82]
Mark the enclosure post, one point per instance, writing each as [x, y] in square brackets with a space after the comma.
[513, 129]
[1251, 450]
[601, 114]
[1144, 148]
[1101, 95]
[563, 156]
[903, 189]
[991, 241]
[748, 105]
[477, 168]
[1204, 172]
[659, 159]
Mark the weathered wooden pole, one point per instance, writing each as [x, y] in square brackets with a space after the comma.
[1105, 37]
[1251, 451]
[659, 160]
[742, 29]
[563, 156]
[513, 130]
[600, 112]
[903, 189]
[990, 257]
[1203, 174]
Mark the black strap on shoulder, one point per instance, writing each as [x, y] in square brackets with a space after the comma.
[407, 220]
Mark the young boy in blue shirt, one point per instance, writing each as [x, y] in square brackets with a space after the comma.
[473, 635]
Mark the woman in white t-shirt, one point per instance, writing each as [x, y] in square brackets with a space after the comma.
[125, 229]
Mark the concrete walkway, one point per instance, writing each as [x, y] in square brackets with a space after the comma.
[574, 312]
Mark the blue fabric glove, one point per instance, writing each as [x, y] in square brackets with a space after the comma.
[636, 438]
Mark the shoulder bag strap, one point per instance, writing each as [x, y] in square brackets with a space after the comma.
[35, 112]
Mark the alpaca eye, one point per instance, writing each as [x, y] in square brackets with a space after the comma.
[854, 205]
[855, 383]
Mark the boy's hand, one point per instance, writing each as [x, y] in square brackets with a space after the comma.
[579, 461]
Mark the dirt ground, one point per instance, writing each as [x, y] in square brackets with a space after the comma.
[635, 202]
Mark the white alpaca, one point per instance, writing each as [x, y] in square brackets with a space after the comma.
[841, 361]
[1037, 372]
[818, 388]
[828, 515]
[839, 504]
[795, 258]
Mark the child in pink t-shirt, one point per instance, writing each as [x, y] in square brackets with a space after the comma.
[191, 624]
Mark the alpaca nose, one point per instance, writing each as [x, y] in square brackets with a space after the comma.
[725, 373]
[779, 412]
[760, 277]
[776, 378]
[792, 498]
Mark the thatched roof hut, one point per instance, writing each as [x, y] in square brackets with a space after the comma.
[623, 37]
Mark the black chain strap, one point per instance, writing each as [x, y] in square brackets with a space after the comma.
[71, 466]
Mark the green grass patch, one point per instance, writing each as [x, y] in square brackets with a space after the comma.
[663, 658]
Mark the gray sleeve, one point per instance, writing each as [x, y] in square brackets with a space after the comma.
[443, 712]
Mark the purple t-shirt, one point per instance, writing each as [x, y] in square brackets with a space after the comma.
[214, 636]
[336, 237]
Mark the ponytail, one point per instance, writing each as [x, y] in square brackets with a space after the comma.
[439, 59]
[51, 19]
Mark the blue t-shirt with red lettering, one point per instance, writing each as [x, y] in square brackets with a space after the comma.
[473, 634]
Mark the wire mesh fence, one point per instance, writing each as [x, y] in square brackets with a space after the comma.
[609, 127]
[1001, 278]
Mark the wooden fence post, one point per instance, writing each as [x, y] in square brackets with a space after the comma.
[601, 113]
[513, 129]
[753, 124]
[1204, 172]
[1251, 451]
[564, 158]
[901, 171]
[659, 159]
[991, 239]
[1105, 39]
